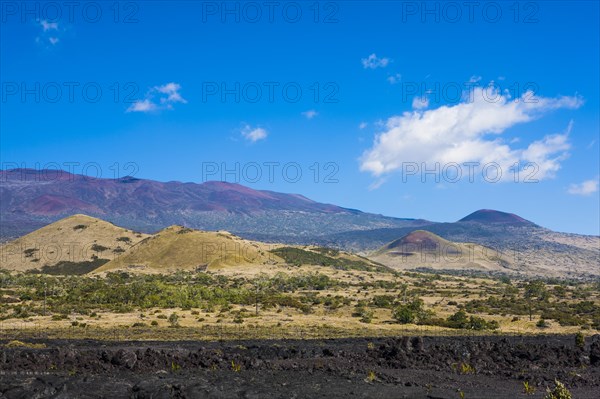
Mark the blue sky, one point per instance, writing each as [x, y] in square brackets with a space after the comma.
[362, 92]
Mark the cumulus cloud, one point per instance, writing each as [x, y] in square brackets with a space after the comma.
[159, 98]
[373, 62]
[587, 187]
[363, 125]
[254, 134]
[470, 132]
[311, 113]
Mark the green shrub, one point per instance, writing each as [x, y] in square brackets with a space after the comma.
[99, 248]
[412, 312]
[67, 268]
[174, 320]
[366, 315]
[298, 257]
[383, 301]
[559, 392]
[462, 321]
[458, 320]
[542, 324]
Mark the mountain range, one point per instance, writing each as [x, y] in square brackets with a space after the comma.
[31, 199]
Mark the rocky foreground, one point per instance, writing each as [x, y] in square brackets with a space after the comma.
[405, 367]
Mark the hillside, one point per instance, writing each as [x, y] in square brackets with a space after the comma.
[423, 249]
[179, 248]
[490, 216]
[77, 244]
[529, 252]
[30, 199]
[528, 246]
[82, 244]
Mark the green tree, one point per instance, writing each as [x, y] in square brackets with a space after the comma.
[459, 320]
[534, 290]
[411, 312]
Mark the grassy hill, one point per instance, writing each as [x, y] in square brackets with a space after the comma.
[423, 249]
[76, 244]
[81, 244]
[180, 248]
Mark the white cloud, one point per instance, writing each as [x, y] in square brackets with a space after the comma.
[254, 134]
[310, 114]
[53, 40]
[421, 102]
[166, 95]
[172, 92]
[393, 79]
[588, 187]
[142, 106]
[46, 26]
[469, 132]
[373, 62]
[363, 125]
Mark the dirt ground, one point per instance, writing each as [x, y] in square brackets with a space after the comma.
[403, 367]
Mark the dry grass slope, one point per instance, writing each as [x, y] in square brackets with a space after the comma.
[179, 248]
[75, 239]
[423, 249]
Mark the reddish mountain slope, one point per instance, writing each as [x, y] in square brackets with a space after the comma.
[49, 193]
[30, 199]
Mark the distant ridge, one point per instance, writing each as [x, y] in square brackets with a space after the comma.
[31, 199]
[495, 217]
[50, 192]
